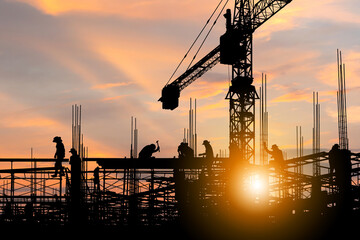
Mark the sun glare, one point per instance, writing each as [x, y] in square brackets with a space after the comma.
[256, 184]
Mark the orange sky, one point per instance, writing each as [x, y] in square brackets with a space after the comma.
[113, 57]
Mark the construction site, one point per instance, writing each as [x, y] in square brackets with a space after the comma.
[198, 195]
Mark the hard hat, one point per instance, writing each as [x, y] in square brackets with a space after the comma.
[56, 139]
[73, 150]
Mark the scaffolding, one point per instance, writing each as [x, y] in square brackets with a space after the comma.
[158, 192]
[311, 191]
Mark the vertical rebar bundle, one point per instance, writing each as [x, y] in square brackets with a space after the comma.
[190, 134]
[316, 132]
[77, 136]
[134, 138]
[341, 103]
[299, 169]
[131, 177]
[263, 121]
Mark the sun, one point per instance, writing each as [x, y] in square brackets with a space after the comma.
[256, 184]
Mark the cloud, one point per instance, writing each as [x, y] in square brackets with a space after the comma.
[353, 116]
[28, 123]
[215, 106]
[204, 89]
[295, 96]
[110, 85]
[113, 98]
[139, 9]
[59, 52]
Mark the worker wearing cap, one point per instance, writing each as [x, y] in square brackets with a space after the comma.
[59, 156]
[209, 154]
[276, 154]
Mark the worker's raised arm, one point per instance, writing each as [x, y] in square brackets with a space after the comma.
[266, 149]
[158, 147]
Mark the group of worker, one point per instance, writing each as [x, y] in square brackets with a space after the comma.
[339, 159]
[75, 161]
[184, 151]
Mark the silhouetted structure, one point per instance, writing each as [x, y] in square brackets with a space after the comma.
[170, 191]
[341, 104]
[151, 194]
[235, 49]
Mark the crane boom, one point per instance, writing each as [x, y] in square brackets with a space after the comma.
[171, 92]
[265, 9]
[198, 69]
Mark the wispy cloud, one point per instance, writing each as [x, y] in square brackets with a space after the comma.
[205, 89]
[110, 85]
[353, 116]
[329, 73]
[295, 96]
[112, 98]
[139, 9]
[28, 122]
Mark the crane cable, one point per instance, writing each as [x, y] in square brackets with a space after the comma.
[207, 35]
[207, 22]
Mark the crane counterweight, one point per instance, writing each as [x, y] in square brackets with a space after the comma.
[170, 97]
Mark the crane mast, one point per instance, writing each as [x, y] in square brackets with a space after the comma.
[235, 49]
[242, 93]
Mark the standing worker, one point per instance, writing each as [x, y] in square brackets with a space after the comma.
[75, 188]
[59, 156]
[276, 154]
[96, 179]
[209, 155]
[148, 150]
[340, 161]
[75, 163]
[334, 155]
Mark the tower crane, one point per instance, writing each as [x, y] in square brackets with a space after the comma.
[235, 49]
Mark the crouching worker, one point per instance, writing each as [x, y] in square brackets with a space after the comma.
[185, 152]
[148, 150]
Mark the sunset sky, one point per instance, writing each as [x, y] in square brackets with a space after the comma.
[113, 57]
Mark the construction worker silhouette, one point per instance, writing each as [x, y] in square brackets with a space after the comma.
[334, 155]
[75, 214]
[185, 151]
[276, 154]
[209, 154]
[75, 160]
[75, 163]
[148, 150]
[59, 155]
[340, 161]
[96, 179]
